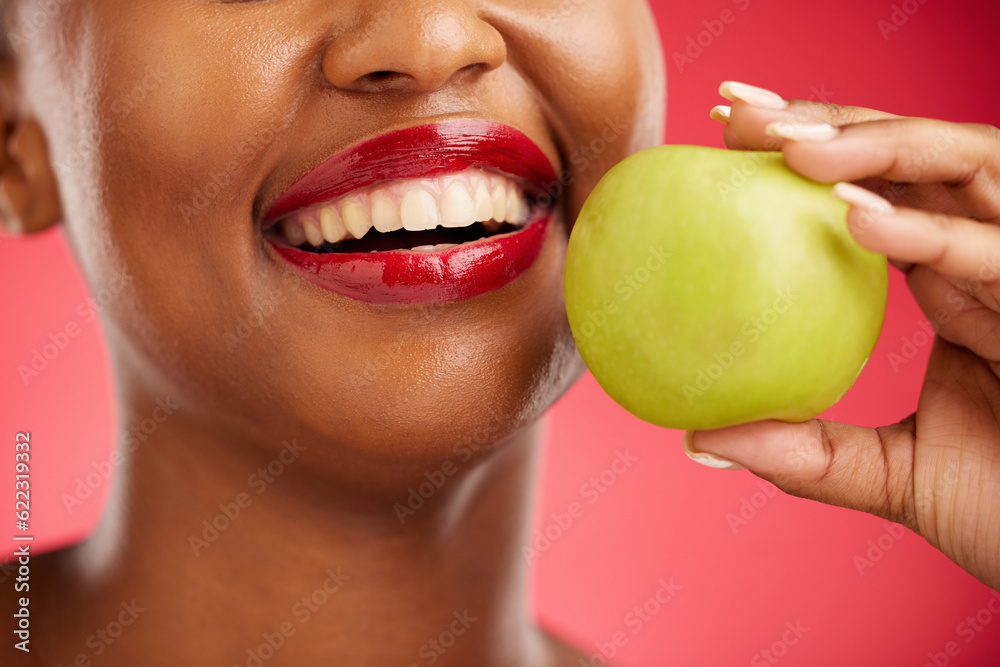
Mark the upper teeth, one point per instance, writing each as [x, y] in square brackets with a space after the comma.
[454, 200]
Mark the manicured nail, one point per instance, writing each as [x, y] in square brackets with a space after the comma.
[811, 132]
[720, 113]
[709, 460]
[758, 97]
[865, 199]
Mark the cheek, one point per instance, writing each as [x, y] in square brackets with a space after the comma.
[192, 120]
[610, 89]
[184, 127]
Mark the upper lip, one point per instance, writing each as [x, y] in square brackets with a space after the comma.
[421, 151]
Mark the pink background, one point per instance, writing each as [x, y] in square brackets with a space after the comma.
[665, 517]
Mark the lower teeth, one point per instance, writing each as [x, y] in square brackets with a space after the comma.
[404, 240]
[434, 248]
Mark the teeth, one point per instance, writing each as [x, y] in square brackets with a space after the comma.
[332, 225]
[313, 233]
[434, 248]
[419, 211]
[385, 216]
[457, 207]
[499, 198]
[513, 213]
[451, 201]
[293, 232]
[356, 218]
[484, 203]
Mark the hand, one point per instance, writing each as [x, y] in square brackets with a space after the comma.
[937, 220]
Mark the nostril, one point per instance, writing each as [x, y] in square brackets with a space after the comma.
[381, 81]
[384, 81]
[471, 70]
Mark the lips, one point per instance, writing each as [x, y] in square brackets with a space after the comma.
[402, 275]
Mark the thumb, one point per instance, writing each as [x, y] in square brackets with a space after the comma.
[859, 468]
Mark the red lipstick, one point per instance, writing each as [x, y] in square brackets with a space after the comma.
[406, 276]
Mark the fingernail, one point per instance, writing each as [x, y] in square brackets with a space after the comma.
[758, 97]
[720, 113]
[865, 199]
[705, 459]
[813, 132]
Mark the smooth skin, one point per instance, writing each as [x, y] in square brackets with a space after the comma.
[938, 470]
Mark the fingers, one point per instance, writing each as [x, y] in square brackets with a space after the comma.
[966, 316]
[953, 246]
[732, 142]
[870, 470]
[753, 109]
[914, 150]
[829, 143]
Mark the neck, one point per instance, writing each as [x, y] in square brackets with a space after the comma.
[243, 550]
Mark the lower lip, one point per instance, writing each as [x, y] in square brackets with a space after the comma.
[467, 270]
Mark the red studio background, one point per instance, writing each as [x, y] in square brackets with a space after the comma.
[743, 569]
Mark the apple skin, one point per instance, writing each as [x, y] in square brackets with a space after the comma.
[709, 287]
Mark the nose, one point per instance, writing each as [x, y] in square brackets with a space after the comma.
[412, 46]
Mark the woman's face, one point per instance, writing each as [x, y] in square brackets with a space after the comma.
[174, 125]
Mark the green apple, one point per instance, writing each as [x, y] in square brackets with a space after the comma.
[708, 287]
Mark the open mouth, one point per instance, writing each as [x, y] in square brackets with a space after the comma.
[435, 212]
[419, 215]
